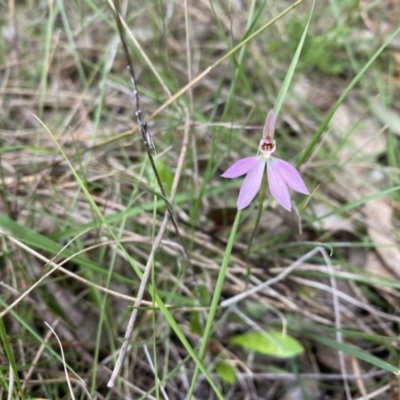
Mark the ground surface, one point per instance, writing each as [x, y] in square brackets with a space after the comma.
[80, 202]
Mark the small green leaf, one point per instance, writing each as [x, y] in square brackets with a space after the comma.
[226, 372]
[194, 323]
[272, 343]
[203, 294]
[165, 174]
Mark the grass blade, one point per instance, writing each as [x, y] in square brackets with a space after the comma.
[353, 351]
[340, 100]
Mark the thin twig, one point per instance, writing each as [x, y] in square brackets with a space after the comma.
[136, 305]
[344, 296]
[338, 323]
[146, 136]
[143, 126]
[272, 281]
[64, 271]
[46, 275]
[284, 376]
[150, 361]
[377, 393]
[37, 356]
[63, 359]
[360, 382]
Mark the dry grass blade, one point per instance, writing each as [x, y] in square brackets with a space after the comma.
[64, 364]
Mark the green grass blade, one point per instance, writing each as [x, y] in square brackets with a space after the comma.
[339, 101]
[353, 351]
[215, 300]
[357, 203]
[292, 68]
[10, 357]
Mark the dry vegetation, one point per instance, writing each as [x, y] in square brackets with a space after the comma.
[64, 85]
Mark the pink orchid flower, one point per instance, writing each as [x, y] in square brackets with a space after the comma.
[280, 173]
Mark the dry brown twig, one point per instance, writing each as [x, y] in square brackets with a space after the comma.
[146, 136]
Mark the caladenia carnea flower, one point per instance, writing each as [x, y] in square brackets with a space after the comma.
[280, 173]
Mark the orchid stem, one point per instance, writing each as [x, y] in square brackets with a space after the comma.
[261, 197]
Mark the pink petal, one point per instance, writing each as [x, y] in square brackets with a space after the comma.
[277, 185]
[269, 127]
[251, 184]
[240, 167]
[290, 175]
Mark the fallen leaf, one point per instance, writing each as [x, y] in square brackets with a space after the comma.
[359, 131]
[387, 116]
[332, 223]
[375, 266]
[379, 216]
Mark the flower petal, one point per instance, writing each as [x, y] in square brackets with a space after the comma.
[277, 185]
[290, 175]
[240, 167]
[251, 184]
[269, 127]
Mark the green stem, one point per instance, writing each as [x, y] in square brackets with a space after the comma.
[261, 196]
[9, 354]
[215, 300]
